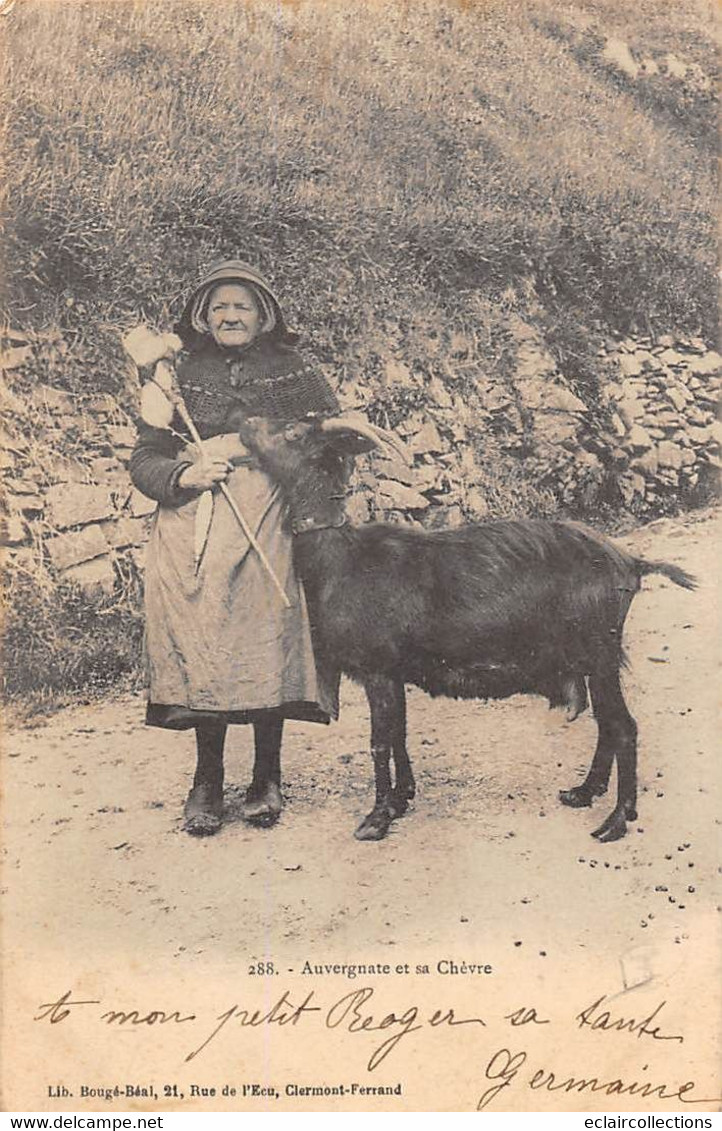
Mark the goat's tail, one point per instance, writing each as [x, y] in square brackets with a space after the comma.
[673, 572]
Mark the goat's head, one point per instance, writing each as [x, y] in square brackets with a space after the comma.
[308, 458]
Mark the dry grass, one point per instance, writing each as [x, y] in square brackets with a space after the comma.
[378, 159]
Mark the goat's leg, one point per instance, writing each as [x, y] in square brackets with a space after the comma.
[263, 802]
[404, 785]
[597, 779]
[203, 810]
[618, 731]
[386, 702]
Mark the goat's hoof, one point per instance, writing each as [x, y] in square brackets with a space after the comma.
[262, 807]
[614, 828]
[373, 827]
[578, 797]
[203, 811]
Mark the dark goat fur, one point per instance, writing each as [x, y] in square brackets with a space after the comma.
[485, 611]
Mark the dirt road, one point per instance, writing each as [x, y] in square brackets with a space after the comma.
[93, 802]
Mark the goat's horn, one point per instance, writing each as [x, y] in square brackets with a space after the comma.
[378, 436]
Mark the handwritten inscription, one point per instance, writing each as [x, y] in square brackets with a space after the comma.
[505, 1065]
[360, 1014]
[601, 1019]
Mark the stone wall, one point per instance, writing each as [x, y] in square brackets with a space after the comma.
[663, 400]
[648, 440]
[69, 507]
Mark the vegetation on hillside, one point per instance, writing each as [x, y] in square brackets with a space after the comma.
[402, 171]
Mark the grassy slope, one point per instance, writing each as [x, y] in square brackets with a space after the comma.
[398, 168]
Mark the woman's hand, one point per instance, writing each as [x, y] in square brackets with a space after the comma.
[205, 472]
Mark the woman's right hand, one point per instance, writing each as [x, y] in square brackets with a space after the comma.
[205, 472]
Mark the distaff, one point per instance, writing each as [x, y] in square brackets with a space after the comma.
[160, 396]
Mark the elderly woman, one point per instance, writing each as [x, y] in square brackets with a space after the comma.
[221, 646]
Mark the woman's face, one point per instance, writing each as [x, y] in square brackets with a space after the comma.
[233, 315]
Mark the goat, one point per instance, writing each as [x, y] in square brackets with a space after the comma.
[484, 611]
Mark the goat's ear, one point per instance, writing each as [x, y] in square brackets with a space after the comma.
[348, 443]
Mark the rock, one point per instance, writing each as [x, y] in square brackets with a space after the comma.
[695, 415]
[666, 418]
[554, 428]
[689, 458]
[68, 550]
[674, 66]
[629, 365]
[105, 467]
[459, 346]
[394, 469]
[56, 400]
[352, 396]
[77, 504]
[588, 461]
[444, 518]
[102, 404]
[398, 374]
[62, 470]
[27, 486]
[13, 530]
[428, 477]
[97, 574]
[618, 425]
[636, 386]
[630, 409]
[665, 341]
[710, 362]
[558, 399]
[678, 399]
[656, 433]
[121, 435]
[697, 345]
[533, 362]
[494, 396]
[716, 430]
[27, 504]
[15, 358]
[646, 464]
[617, 54]
[672, 357]
[358, 509]
[668, 476]
[680, 437]
[700, 436]
[631, 486]
[670, 455]
[139, 505]
[715, 460]
[439, 394]
[412, 424]
[468, 463]
[125, 531]
[648, 361]
[427, 440]
[639, 438]
[476, 504]
[10, 443]
[396, 496]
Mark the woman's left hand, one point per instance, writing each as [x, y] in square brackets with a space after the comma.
[226, 447]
